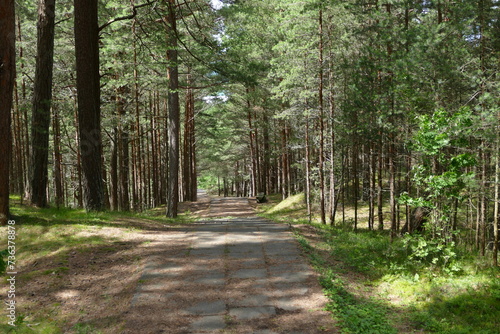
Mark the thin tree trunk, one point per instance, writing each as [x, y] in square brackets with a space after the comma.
[79, 190]
[194, 172]
[189, 170]
[380, 199]
[308, 172]
[496, 213]
[345, 176]
[483, 205]
[154, 158]
[321, 124]
[373, 185]
[114, 170]
[19, 145]
[146, 146]
[58, 169]
[284, 163]
[25, 150]
[252, 148]
[266, 164]
[331, 104]
[173, 112]
[257, 153]
[123, 152]
[392, 189]
[355, 162]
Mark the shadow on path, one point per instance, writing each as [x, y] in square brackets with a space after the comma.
[229, 275]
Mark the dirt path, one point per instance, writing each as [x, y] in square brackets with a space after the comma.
[227, 275]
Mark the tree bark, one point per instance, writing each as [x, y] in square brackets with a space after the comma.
[58, 167]
[42, 96]
[89, 111]
[189, 167]
[114, 170]
[308, 172]
[173, 112]
[7, 76]
[321, 124]
[123, 152]
[253, 154]
[380, 189]
[497, 199]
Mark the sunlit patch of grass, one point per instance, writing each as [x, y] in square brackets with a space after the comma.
[352, 248]
[45, 240]
[292, 210]
[39, 326]
[159, 215]
[354, 313]
[291, 203]
[463, 304]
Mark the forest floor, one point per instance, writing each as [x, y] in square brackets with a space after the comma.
[83, 273]
[111, 274]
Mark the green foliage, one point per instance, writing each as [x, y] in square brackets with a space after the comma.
[429, 253]
[80, 328]
[38, 326]
[443, 173]
[473, 310]
[352, 248]
[354, 314]
[208, 182]
[3, 264]
[440, 288]
[430, 276]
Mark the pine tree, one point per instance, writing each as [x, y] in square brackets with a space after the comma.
[89, 110]
[42, 98]
[173, 110]
[7, 75]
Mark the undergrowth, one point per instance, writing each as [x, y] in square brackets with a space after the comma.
[417, 284]
[431, 283]
[354, 314]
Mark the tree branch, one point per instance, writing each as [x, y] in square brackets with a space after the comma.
[127, 17]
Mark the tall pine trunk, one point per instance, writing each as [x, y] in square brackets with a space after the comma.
[7, 75]
[173, 112]
[308, 171]
[89, 110]
[253, 144]
[123, 152]
[42, 96]
[321, 124]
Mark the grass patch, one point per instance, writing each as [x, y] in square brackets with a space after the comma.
[40, 326]
[291, 210]
[355, 315]
[51, 243]
[294, 202]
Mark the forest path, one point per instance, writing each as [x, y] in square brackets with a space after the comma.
[228, 275]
